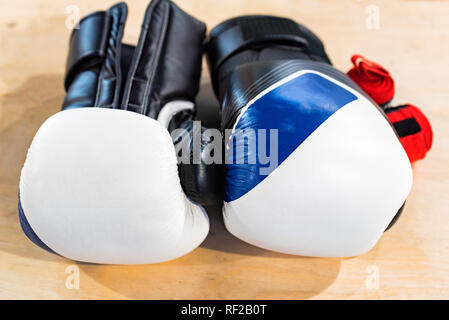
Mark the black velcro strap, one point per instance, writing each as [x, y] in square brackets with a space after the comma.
[406, 127]
[87, 44]
[250, 31]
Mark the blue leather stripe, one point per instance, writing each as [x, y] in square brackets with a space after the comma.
[295, 109]
[29, 231]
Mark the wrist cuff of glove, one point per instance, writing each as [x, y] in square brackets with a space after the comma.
[247, 32]
[88, 43]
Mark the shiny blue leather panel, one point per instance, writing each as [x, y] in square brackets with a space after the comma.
[296, 109]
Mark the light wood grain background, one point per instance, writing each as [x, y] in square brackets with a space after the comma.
[410, 261]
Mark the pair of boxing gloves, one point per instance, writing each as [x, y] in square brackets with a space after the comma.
[102, 181]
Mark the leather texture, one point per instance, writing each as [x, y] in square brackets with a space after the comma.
[93, 74]
[259, 38]
[319, 100]
[336, 150]
[167, 60]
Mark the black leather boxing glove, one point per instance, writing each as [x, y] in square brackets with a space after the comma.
[313, 165]
[100, 182]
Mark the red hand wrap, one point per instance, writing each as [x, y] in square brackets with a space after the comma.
[413, 129]
[372, 78]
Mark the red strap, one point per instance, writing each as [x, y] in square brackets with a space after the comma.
[419, 141]
[374, 79]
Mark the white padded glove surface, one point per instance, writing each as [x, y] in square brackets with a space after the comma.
[101, 185]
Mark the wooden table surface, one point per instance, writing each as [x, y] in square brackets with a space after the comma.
[410, 261]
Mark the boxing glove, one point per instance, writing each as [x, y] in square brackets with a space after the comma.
[313, 167]
[100, 182]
